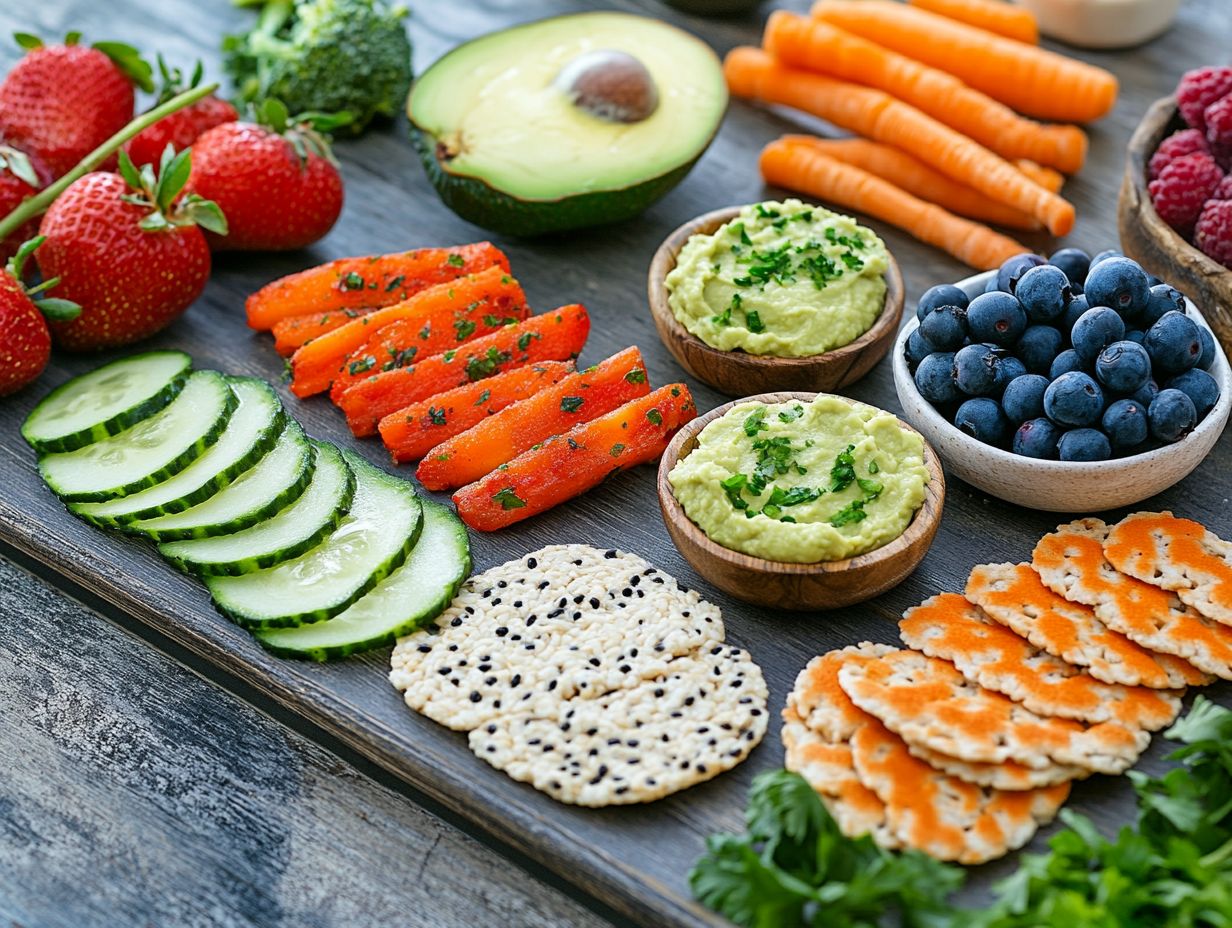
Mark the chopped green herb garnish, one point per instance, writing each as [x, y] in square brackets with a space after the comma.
[791, 413]
[479, 367]
[426, 331]
[872, 489]
[654, 416]
[524, 339]
[456, 260]
[571, 403]
[450, 355]
[573, 444]
[400, 357]
[497, 322]
[755, 422]
[616, 450]
[767, 213]
[394, 283]
[436, 416]
[366, 363]
[349, 313]
[637, 375]
[732, 487]
[352, 281]
[508, 499]
[873, 468]
[843, 473]
[483, 397]
[852, 512]
[752, 319]
[465, 329]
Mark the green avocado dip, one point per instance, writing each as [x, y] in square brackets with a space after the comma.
[803, 481]
[783, 279]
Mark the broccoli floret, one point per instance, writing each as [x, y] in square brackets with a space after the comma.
[324, 56]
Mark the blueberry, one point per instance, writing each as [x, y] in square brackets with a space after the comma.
[934, 378]
[1008, 368]
[1200, 387]
[1172, 416]
[1209, 351]
[940, 295]
[1077, 288]
[1095, 330]
[1084, 445]
[1068, 360]
[1037, 438]
[917, 348]
[1123, 367]
[1039, 347]
[1105, 255]
[1074, 399]
[983, 420]
[975, 369]
[1009, 272]
[1137, 336]
[1073, 312]
[1121, 284]
[1164, 299]
[997, 318]
[1074, 262]
[1147, 392]
[1023, 398]
[991, 286]
[1174, 343]
[1125, 424]
[945, 328]
[1044, 293]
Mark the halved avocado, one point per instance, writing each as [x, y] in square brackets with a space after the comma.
[568, 122]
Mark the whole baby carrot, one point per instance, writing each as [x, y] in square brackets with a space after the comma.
[1005, 19]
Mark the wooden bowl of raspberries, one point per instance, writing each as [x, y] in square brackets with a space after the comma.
[1175, 206]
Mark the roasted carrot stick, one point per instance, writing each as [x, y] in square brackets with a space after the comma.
[1006, 19]
[375, 280]
[294, 331]
[875, 114]
[495, 441]
[1032, 80]
[568, 465]
[558, 335]
[800, 166]
[314, 365]
[819, 46]
[412, 432]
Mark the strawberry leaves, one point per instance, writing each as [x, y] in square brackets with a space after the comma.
[160, 193]
[307, 133]
[127, 58]
[55, 309]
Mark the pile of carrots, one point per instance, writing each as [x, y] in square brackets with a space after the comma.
[437, 352]
[936, 89]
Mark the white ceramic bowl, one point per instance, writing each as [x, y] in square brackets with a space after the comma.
[1060, 486]
[1103, 23]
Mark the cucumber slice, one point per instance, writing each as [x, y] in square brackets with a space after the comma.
[299, 527]
[106, 401]
[150, 451]
[371, 542]
[262, 491]
[412, 595]
[252, 430]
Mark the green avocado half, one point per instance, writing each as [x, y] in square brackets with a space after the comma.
[567, 122]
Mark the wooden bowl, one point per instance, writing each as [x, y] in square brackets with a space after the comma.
[738, 373]
[823, 585]
[1075, 487]
[1152, 242]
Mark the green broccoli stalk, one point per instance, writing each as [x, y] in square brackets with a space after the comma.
[324, 56]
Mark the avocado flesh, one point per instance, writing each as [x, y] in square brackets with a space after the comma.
[507, 149]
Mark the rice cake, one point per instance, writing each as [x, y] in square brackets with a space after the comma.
[1008, 775]
[1014, 595]
[950, 627]
[1071, 562]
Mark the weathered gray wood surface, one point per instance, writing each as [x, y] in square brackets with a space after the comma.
[634, 859]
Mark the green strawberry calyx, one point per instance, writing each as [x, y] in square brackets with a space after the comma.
[19, 165]
[55, 309]
[159, 192]
[307, 133]
[172, 81]
[127, 58]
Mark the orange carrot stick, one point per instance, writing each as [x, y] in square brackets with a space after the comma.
[875, 114]
[553, 411]
[314, 365]
[553, 336]
[1005, 19]
[1032, 80]
[1047, 178]
[374, 280]
[819, 46]
[802, 167]
[412, 432]
[294, 331]
[568, 465]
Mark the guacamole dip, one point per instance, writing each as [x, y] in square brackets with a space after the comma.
[803, 482]
[782, 279]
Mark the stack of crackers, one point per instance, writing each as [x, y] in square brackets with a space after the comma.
[964, 743]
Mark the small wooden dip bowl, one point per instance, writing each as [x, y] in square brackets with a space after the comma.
[782, 585]
[1151, 242]
[738, 373]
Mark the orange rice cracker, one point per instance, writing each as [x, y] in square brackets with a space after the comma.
[1008, 775]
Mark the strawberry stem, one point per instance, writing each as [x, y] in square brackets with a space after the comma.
[32, 206]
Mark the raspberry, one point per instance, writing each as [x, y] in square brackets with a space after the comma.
[1224, 190]
[1218, 118]
[1181, 189]
[1178, 144]
[1199, 89]
[1214, 235]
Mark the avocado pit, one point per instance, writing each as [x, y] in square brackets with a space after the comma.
[610, 85]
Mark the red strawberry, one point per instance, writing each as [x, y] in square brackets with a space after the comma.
[21, 176]
[127, 251]
[62, 101]
[277, 183]
[25, 342]
[182, 128]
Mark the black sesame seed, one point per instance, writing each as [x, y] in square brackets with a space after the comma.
[475, 697]
[425, 648]
[532, 563]
[445, 671]
[502, 632]
[456, 622]
[517, 680]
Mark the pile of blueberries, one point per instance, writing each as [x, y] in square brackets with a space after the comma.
[1075, 358]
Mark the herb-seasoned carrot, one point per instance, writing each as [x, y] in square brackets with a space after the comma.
[412, 432]
[816, 45]
[558, 335]
[1032, 80]
[294, 331]
[874, 114]
[800, 166]
[314, 365]
[568, 465]
[1007, 19]
[494, 441]
[374, 280]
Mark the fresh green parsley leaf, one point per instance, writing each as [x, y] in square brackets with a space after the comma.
[654, 416]
[352, 281]
[637, 375]
[436, 416]
[509, 499]
[366, 363]
[843, 473]
[465, 329]
[571, 403]
[456, 260]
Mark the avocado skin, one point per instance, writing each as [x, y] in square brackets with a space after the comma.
[715, 7]
[477, 201]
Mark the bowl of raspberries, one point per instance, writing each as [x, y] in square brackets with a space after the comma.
[1064, 384]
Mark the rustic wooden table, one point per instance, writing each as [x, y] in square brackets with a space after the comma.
[135, 792]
